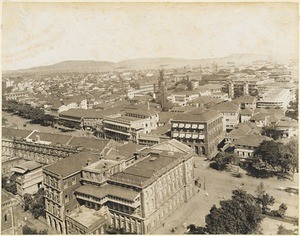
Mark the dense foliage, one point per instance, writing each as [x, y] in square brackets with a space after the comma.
[223, 159]
[277, 158]
[239, 215]
[271, 132]
[35, 115]
[29, 230]
[9, 184]
[35, 204]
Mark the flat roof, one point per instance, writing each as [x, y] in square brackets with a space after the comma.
[86, 216]
[144, 170]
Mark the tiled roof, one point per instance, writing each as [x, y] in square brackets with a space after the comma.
[10, 133]
[252, 140]
[85, 113]
[54, 139]
[89, 143]
[108, 190]
[72, 164]
[198, 115]
[231, 107]
[246, 99]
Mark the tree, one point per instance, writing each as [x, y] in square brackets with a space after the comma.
[276, 158]
[239, 215]
[27, 201]
[263, 199]
[222, 159]
[38, 206]
[271, 132]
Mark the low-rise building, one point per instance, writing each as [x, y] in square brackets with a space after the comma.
[245, 146]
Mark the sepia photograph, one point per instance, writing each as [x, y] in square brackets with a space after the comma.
[150, 118]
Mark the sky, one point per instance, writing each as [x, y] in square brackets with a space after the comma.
[36, 34]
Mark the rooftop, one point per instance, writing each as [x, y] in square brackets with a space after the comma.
[27, 166]
[85, 113]
[246, 99]
[252, 140]
[197, 115]
[11, 133]
[89, 143]
[86, 216]
[108, 190]
[72, 164]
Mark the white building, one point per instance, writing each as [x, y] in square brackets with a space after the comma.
[274, 98]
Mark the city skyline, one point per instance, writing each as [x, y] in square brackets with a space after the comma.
[55, 32]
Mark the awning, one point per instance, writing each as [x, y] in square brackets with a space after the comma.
[200, 126]
[194, 126]
[175, 135]
[181, 125]
[201, 136]
[195, 136]
[181, 135]
[188, 126]
[188, 135]
[175, 125]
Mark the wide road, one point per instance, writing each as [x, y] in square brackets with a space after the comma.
[218, 186]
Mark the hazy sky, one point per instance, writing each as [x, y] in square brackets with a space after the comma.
[37, 34]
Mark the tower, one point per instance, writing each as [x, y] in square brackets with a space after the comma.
[162, 90]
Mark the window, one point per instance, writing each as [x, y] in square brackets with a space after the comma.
[5, 217]
[74, 180]
[65, 184]
[66, 198]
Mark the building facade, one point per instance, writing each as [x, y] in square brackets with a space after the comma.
[200, 129]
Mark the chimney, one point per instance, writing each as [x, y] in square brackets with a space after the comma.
[88, 162]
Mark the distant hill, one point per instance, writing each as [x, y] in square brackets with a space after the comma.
[148, 63]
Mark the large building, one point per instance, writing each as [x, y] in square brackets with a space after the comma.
[200, 129]
[275, 98]
[121, 189]
[127, 127]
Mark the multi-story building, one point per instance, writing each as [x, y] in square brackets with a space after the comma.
[135, 120]
[230, 113]
[182, 98]
[200, 129]
[10, 208]
[247, 102]
[44, 148]
[29, 177]
[87, 193]
[275, 98]
[16, 96]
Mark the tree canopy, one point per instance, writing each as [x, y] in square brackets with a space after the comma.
[239, 215]
[277, 158]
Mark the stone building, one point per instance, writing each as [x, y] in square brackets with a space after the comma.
[135, 120]
[200, 129]
[130, 190]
